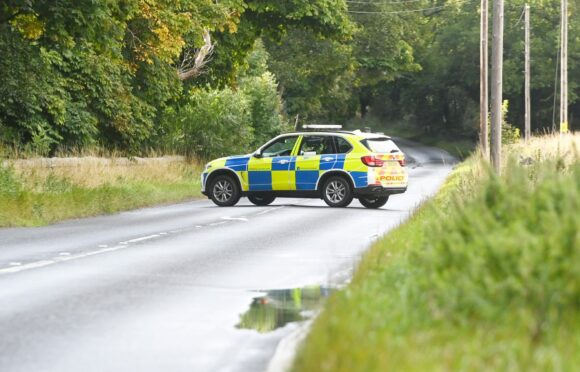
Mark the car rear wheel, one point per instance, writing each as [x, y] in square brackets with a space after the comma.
[224, 191]
[373, 203]
[337, 192]
[261, 199]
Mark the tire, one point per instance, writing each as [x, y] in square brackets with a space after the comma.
[261, 199]
[337, 192]
[373, 203]
[224, 191]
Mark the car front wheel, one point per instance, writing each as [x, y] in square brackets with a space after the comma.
[337, 192]
[373, 203]
[261, 199]
[224, 191]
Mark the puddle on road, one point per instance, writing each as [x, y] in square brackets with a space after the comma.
[279, 307]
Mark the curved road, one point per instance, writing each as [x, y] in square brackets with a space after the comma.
[162, 289]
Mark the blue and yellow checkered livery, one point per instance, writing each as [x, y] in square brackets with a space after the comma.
[303, 172]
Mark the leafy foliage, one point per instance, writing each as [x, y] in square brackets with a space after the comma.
[79, 73]
[482, 277]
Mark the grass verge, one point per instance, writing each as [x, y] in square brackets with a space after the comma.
[483, 277]
[41, 191]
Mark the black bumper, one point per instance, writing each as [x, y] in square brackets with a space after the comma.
[378, 191]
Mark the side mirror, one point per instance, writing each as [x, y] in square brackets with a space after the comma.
[394, 151]
[257, 154]
[309, 154]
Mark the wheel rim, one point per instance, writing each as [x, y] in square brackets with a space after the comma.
[336, 191]
[223, 190]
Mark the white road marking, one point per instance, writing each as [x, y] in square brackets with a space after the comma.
[104, 248]
[136, 240]
[32, 265]
[217, 223]
[243, 219]
[269, 210]
[66, 256]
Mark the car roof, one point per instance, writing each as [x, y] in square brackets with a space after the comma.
[356, 133]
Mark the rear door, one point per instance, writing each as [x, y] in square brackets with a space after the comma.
[315, 154]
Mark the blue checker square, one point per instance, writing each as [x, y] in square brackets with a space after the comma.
[292, 163]
[327, 164]
[260, 180]
[238, 164]
[282, 163]
[360, 179]
[306, 180]
[339, 161]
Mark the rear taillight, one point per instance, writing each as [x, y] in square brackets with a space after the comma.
[402, 162]
[372, 161]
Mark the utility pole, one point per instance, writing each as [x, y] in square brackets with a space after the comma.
[564, 69]
[483, 89]
[496, 84]
[527, 128]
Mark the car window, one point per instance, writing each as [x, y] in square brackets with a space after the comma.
[380, 145]
[318, 144]
[281, 147]
[342, 145]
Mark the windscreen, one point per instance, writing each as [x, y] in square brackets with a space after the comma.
[380, 145]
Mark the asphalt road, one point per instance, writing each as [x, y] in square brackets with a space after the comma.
[162, 289]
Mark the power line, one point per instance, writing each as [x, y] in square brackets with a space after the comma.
[520, 19]
[382, 2]
[398, 11]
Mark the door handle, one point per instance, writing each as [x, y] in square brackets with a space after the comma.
[327, 159]
[283, 161]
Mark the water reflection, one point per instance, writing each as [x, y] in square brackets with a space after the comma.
[282, 306]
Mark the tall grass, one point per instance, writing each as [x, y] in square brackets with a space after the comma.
[484, 277]
[40, 191]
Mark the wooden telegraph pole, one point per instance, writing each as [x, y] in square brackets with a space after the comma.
[527, 128]
[483, 89]
[496, 84]
[564, 69]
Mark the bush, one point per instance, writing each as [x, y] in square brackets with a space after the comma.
[265, 106]
[212, 123]
[484, 277]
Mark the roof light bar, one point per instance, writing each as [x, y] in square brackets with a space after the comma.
[322, 126]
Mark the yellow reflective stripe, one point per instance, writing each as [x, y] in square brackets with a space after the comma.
[281, 180]
[297, 146]
[352, 163]
[244, 177]
[260, 164]
[220, 163]
[310, 163]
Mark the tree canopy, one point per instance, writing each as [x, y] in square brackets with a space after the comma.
[116, 73]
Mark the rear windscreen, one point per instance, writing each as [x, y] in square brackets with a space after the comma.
[380, 145]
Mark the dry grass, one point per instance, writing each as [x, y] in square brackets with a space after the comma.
[44, 190]
[565, 147]
[91, 172]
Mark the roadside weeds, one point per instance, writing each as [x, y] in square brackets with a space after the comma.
[482, 277]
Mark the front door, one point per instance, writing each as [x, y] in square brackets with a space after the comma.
[274, 170]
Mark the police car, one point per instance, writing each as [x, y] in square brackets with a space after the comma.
[334, 166]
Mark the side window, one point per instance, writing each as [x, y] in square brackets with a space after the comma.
[318, 144]
[282, 147]
[342, 145]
